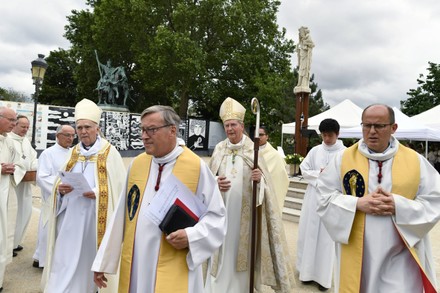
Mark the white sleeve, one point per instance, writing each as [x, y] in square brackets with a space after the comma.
[336, 210]
[208, 234]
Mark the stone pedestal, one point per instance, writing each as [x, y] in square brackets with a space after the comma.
[114, 108]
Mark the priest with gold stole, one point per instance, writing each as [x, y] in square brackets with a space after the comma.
[378, 200]
[79, 219]
[152, 261]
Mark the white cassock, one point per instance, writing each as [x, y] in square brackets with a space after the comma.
[204, 238]
[70, 255]
[8, 154]
[315, 253]
[24, 189]
[276, 166]
[387, 264]
[49, 163]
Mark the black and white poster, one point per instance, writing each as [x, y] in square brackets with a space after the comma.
[135, 132]
[197, 134]
[117, 128]
[58, 116]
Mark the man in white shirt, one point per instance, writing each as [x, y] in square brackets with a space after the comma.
[12, 171]
[50, 162]
[24, 189]
[315, 253]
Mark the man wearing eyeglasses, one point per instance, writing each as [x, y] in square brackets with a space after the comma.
[79, 219]
[276, 166]
[24, 189]
[153, 261]
[49, 163]
[379, 200]
[12, 172]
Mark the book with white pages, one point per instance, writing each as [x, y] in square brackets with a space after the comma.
[170, 190]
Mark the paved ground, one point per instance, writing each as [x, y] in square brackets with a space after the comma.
[21, 277]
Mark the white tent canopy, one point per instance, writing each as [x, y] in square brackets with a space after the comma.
[430, 117]
[408, 129]
[346, 113]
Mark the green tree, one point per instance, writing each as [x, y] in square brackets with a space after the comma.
[12, 95]
[184, 53]
[59, 86]
[426, 95]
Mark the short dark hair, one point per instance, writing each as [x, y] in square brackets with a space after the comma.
[329, 125]
[264, 128]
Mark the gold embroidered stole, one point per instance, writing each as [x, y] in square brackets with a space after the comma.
[103, 188]
[172, 269]
[406, 178]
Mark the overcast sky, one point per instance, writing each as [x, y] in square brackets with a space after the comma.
[366, 51]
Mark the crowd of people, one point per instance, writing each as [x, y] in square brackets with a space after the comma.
[173, 223]
[95, 232]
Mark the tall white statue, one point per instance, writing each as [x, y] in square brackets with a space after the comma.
[304, 51]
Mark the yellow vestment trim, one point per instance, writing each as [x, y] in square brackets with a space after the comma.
[102, 204]
[172, 269]
[406, 179]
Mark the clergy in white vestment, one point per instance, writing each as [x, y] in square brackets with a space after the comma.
[315, 253]
[152, 261]
[78, 221]
[12, 171]
[276, 166]
[378, 200]
[49, 163]
[232, 162]
[24, 189]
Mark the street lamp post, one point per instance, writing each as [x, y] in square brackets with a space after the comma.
[38, 69]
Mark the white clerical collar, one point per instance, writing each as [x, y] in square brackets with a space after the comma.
[93, 150]
[15, 136]
[334, 147]
[262, 147]
[236, 146]
[178, 149]
[60, 146]
[392, 149]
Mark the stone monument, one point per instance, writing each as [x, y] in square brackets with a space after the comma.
[304, 51]
[302, 90]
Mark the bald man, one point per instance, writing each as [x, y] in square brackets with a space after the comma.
[12, 171]
[50, 162]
